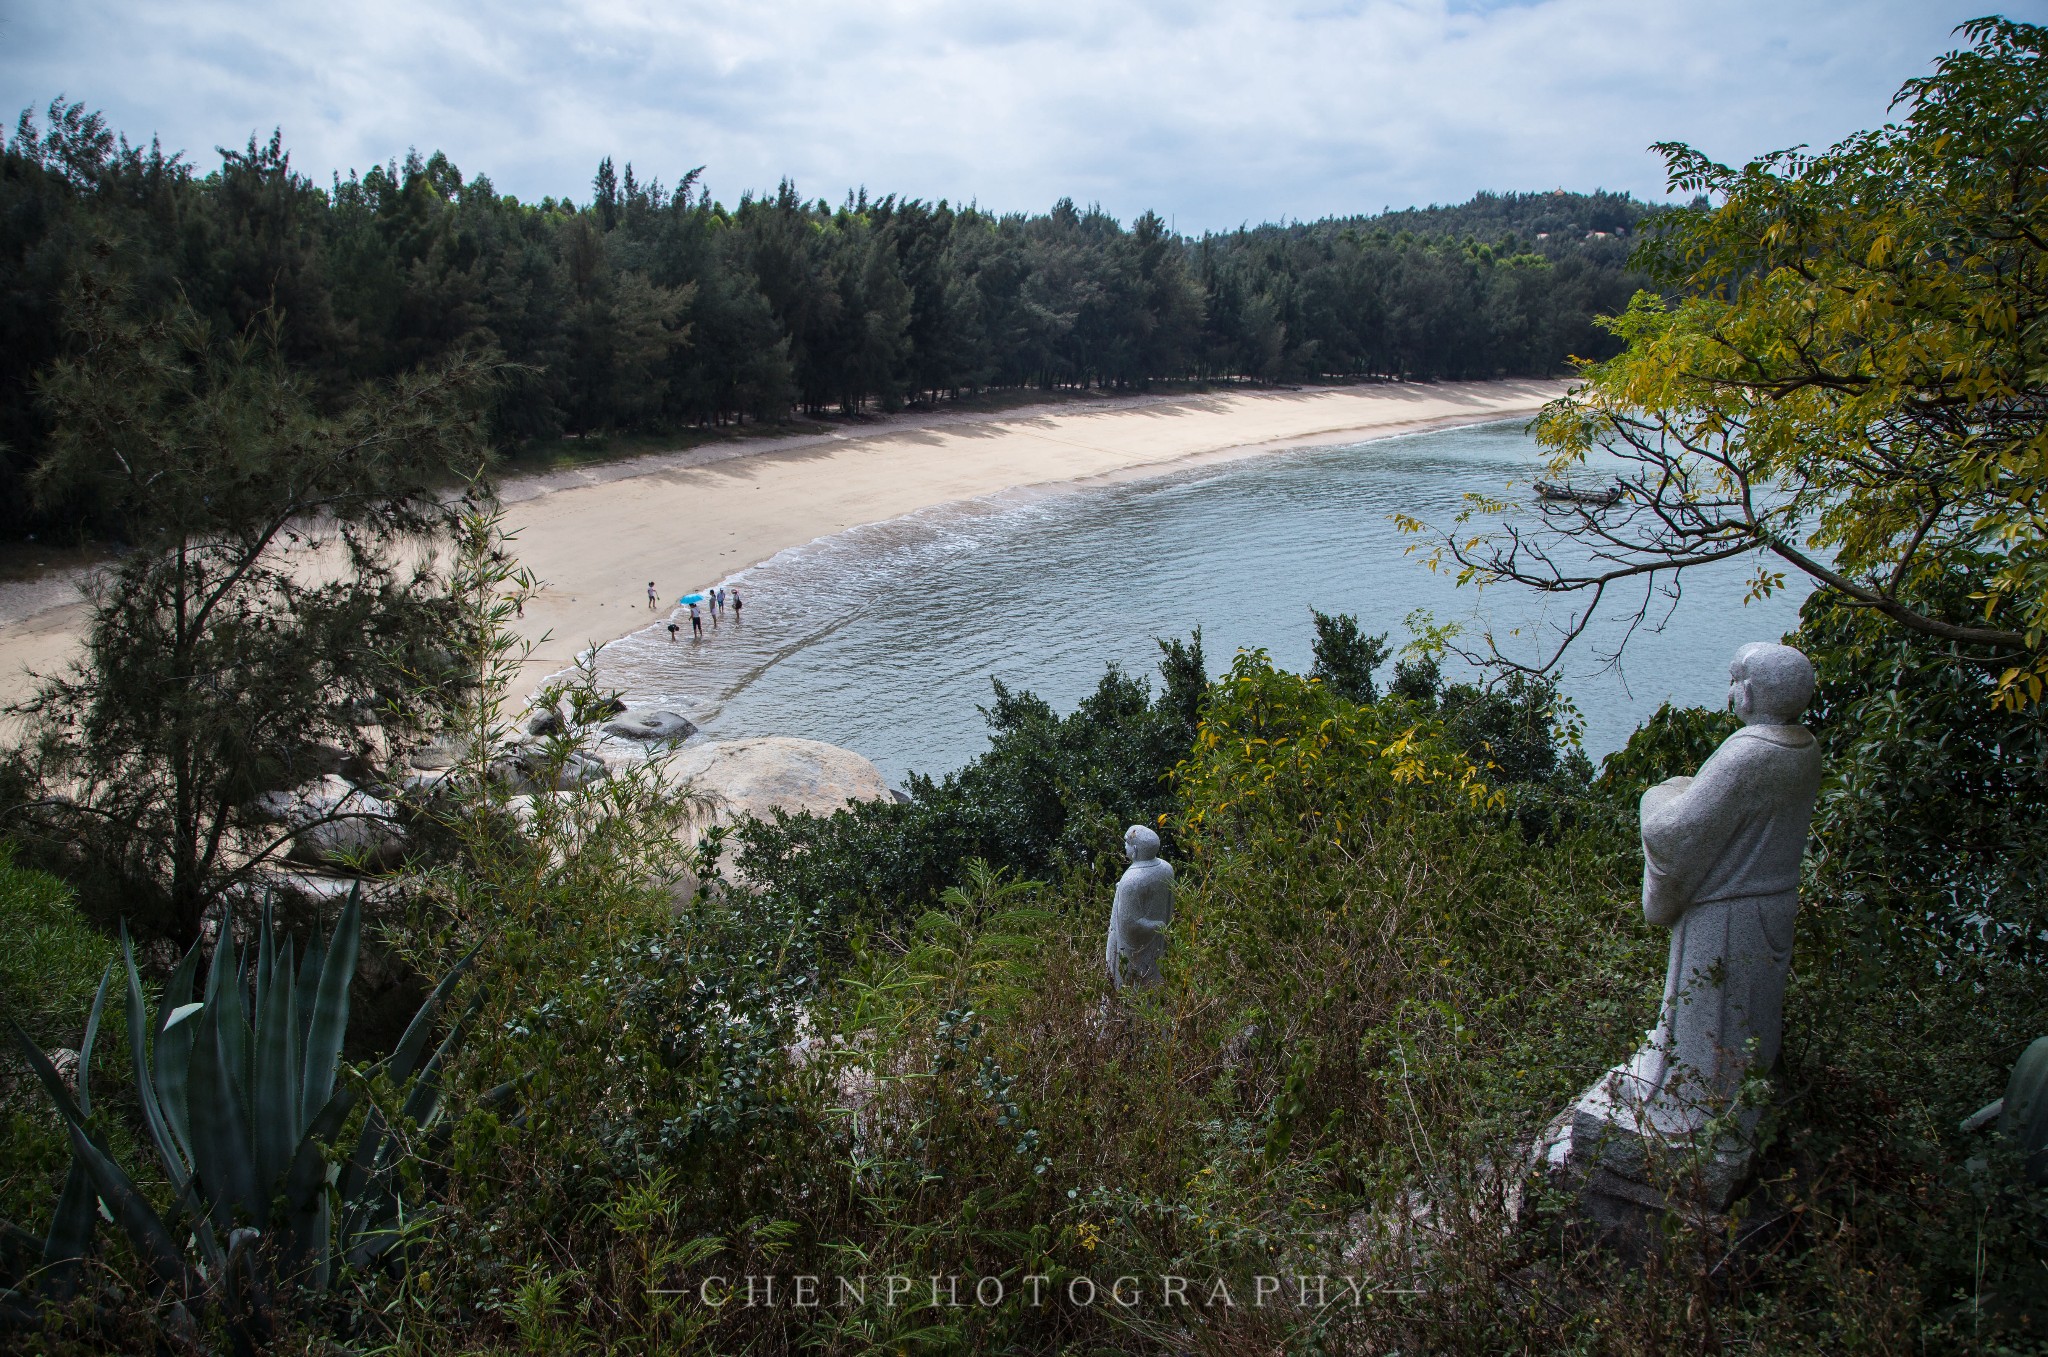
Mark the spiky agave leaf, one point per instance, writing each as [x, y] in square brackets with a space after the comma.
[146, 1231]
[220, 1127]
[328, 1022]
[173, 1050]
[73, 1224]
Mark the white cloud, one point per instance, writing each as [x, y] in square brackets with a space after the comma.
[1211, 113]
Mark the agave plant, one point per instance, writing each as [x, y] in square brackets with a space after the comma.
[242, 1100]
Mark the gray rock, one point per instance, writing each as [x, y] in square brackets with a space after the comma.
[444, 752]
[531, 767]
[657, 725]
[420, 782]
[339, 824]
[760, 776]
[547, 721]
[324, 756]
[65, 1061]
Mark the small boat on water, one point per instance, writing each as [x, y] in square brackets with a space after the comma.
[1568, 494]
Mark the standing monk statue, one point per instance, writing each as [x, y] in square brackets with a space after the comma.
[1721, 856]
[1143, 909]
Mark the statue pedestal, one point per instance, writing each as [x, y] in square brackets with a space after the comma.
[1626, 1171]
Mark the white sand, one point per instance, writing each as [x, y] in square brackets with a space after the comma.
[686, 520]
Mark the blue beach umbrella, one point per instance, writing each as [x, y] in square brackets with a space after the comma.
[689, 598]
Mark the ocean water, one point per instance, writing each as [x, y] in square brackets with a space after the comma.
[883, 639]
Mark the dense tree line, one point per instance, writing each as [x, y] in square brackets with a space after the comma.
[652, 307]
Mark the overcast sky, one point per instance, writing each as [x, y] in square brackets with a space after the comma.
[1212, 112]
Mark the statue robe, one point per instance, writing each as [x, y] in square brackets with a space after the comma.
[1137, 924]
[1721, 867]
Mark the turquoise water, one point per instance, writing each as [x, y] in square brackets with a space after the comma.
[883, 639]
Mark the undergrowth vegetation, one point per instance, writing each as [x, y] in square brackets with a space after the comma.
[700, 1109]
[770, 1120]
[864, 1085]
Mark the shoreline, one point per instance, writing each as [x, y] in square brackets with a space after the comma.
[594, 536]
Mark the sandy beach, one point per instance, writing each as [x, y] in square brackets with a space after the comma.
[596, 536]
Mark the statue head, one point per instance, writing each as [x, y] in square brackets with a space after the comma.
[1140, 844]
[1769, 684]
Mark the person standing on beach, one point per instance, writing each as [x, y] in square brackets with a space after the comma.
[736, 605]
[652, 597]
[696, 624]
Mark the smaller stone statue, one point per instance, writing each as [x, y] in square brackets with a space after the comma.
[1143, 909]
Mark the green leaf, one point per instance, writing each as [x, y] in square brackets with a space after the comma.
[92, 1031]
[330, 1009]
[397, 1067]
[169, 1149]
[131, 1210]
[220, 1132]
[227, 987]
[174, 1037]
[71, 1231]
[273, 1083]
[145, 1231]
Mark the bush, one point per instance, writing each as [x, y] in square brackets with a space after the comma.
[50, 966]
[50, 960]
[1053, 794]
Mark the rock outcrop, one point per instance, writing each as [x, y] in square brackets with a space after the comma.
[532, 766]
[759, 776]
[655, 725]
[336, 824]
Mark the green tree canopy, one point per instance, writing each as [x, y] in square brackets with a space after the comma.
[1847, 378]
[279, 591]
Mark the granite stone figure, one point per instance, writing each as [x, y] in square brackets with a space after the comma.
[1143, 909]
[1721, 854]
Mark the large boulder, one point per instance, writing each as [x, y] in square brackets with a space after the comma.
[336, 823]
[532, 766]
[759, 776]
[443, 752]
[654, 725]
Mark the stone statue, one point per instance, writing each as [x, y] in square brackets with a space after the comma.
[1143, 909]
[1721, 856]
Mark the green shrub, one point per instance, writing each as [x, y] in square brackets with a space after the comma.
[1052, 794]
[51, 960]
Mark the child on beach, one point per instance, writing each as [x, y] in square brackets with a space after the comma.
[672, 630]
[652, 597]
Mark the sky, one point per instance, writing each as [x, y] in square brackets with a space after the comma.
[1213, 113]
